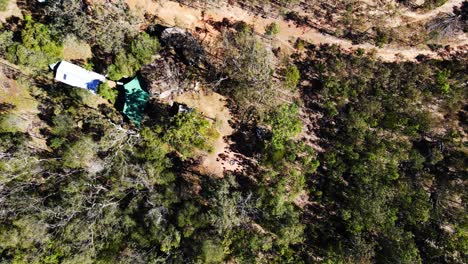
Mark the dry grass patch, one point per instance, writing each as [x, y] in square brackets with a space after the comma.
[74, 49]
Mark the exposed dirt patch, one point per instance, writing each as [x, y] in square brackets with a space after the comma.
[12, 10]
[213, 107]
[174, 14]
[301, 200]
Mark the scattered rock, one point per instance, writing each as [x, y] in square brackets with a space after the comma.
[184, 44]
[164, 77]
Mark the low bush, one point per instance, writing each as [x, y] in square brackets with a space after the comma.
[107, 92]
[272, 29]
[292, 76]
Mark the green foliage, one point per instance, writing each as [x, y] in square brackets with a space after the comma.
[9, 123]
[387, 185]
[431, 4]
[79, 154]
[153, 155]
[124, 65]
[442, 83]
[377, 162]
[243, 28]
[4, 5]
[224, 216]
[128, 62]
[21, 236]
[189, 131]
[211, 252]
[143, 47]
[189, 219]
[38, 47]
[272, 29]
[285, 125]
[299, 44]
[107, 92]
[381, 38]
[292, 76]
[89, 65]
[6, 40]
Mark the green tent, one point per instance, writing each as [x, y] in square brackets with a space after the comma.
[135, 101]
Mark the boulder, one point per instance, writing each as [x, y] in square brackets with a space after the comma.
[165, 77]
[186, 45]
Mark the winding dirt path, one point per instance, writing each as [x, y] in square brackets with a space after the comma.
[175, 14]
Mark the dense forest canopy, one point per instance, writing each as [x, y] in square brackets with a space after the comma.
[343, 157]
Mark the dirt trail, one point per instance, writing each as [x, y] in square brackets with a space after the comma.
[172, 13]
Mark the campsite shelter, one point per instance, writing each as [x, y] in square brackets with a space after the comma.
[74, 75]
[135, 101]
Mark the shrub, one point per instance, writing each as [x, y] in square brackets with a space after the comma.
[79, 154]
[442, 83]
[243, 27]
[292, 76]
[212, 252]
[107, 92]
[126, 63]
[143, 47]
[6, 41]
[285, 125]
[272, 29]
[381, 38]
[122, 66]
[300, 44]
[188, 131]
[431, 4]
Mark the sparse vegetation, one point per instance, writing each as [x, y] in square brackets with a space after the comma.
[4, 5]
[272, 29]
[430, 4]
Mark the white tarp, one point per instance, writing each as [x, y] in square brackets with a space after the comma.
[74, 75]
